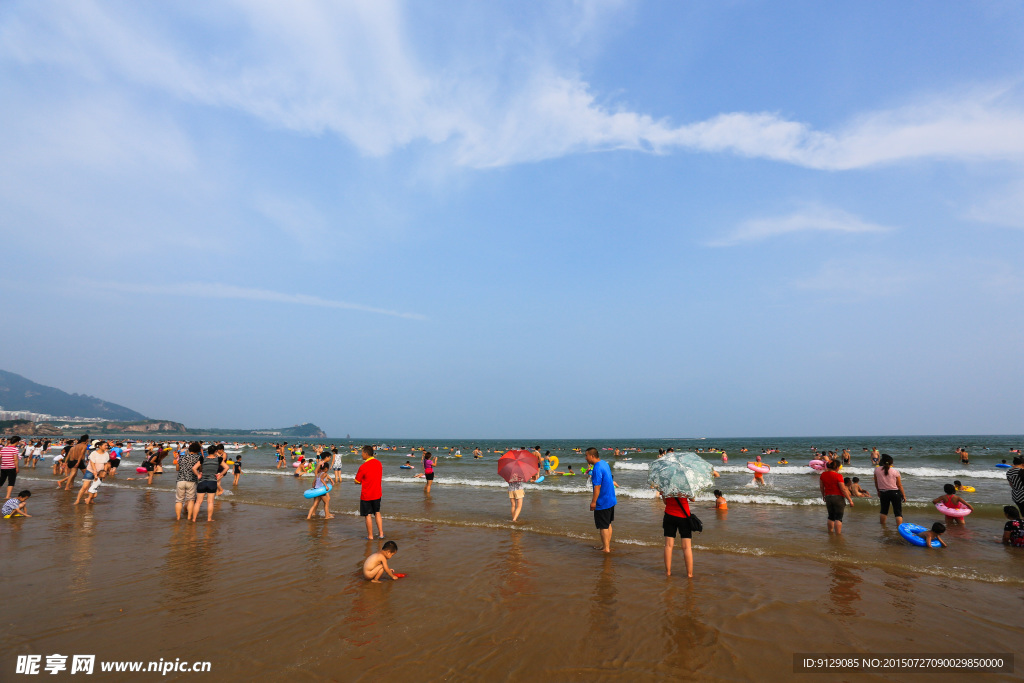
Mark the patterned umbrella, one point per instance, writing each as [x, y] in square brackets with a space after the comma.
[680, 475]
[517, 466]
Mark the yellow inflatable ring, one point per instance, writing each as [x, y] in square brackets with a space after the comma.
[554, 462]
[966, 489]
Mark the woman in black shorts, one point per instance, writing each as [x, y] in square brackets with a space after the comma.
[677, 520]
[889, 486]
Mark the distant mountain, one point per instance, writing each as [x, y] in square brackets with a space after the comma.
[18, 393]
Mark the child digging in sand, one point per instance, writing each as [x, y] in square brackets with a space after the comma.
[17, 507]
[376, 565]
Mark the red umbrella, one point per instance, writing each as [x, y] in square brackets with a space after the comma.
[518, 466]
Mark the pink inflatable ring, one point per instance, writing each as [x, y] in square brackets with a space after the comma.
[763, 469]
[140, 470]
[817, 465]
[952, 512]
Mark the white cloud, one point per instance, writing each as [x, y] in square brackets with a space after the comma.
[1004, 208]
[352, 69]
[214, 290]
[808, 219]
[862, 278]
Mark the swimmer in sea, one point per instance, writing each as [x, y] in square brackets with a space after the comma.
[376, 565]
[720, 503]
[758, 476]
[953, 501]
[783, 461]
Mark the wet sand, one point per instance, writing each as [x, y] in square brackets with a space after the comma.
[263, 593]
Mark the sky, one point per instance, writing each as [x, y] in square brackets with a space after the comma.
[506, 219]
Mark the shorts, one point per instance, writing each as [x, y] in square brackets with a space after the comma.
[88, 476]
[429, 476]
[673, 525]
[891, 497]
[603, 518]
[114, 462]
[206, 487]
[517, 494]
[95, 486]
[83, 464]
[149, 466]
[369, 507]
[184, 491]
[835, 505]
[10, 476]
[238, 468]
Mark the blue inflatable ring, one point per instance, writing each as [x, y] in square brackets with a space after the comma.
[317, 492]
[909, 532]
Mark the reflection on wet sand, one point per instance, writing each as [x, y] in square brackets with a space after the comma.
[604, 617]
[188, 569]
[82, 550]
[369, 605]
[843, 592]
[688, 641]
[901, 587]
[516, 575]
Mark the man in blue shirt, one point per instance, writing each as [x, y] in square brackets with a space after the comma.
[603, 502]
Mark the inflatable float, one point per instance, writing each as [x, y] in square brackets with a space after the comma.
[317, 492]
[760, 469]
[952, 512]
[818, 465]
[909, 532]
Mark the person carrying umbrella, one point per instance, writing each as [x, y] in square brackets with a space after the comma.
[517, 467]
[679, 477]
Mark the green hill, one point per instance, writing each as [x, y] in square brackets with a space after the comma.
[18, 393]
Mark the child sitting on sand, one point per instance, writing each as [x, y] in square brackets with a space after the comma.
[16, 507]
[953, 501]
[933, 534]
[376, 565]
[720, 503]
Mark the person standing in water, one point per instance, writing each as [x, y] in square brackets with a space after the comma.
[602, 504]
[75, 458]
[369, 477]
[677, 520]
[186, 480]
[336, 465]
[428, 470]
[1015, 478]
[889, 487]
[209, 471]
[836, 495]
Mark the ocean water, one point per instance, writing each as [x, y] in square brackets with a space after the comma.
[784, 518]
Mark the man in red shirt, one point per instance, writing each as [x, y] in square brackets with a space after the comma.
[369, 476]
[835, 494]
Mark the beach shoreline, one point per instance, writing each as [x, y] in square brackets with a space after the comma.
[263, 592]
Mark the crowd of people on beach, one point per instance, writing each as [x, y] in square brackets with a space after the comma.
[201, 469]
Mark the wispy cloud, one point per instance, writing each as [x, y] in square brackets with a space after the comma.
[353, 70]
[864, 278]
[809, 219]
[214, 290]
[1003, 208]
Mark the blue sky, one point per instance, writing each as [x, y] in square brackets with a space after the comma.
[520, 219]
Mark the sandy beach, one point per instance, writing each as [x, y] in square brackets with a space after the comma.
[263, 593]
